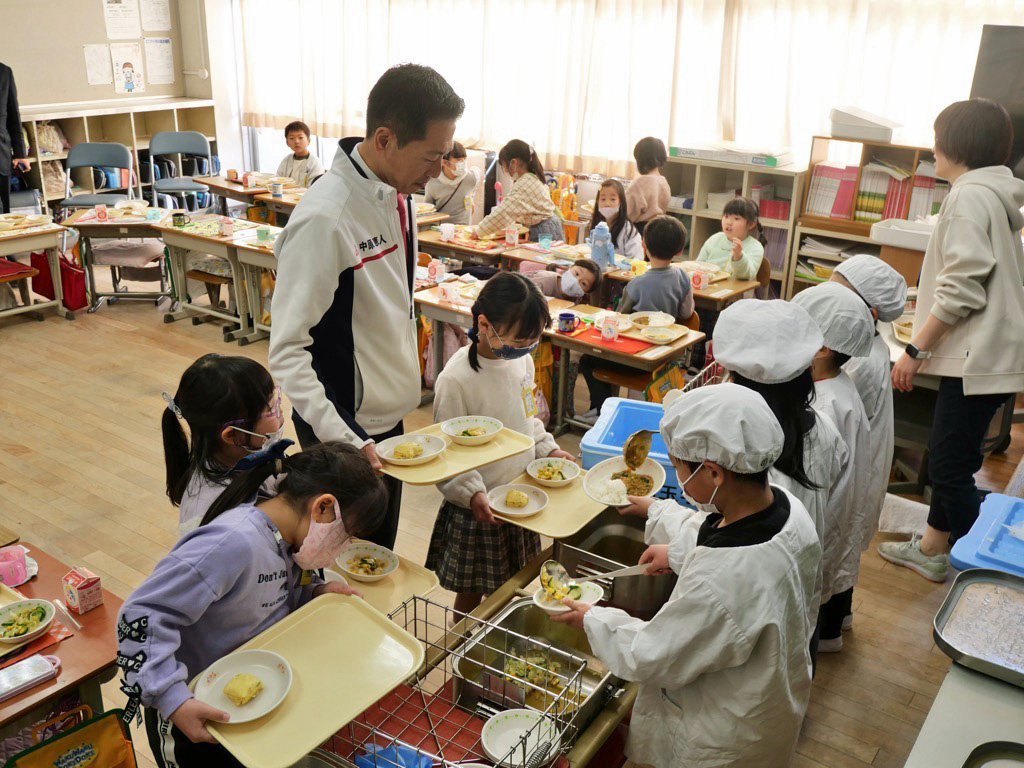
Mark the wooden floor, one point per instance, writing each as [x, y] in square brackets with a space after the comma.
[81, 474]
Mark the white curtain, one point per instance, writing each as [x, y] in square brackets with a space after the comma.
[583, 80]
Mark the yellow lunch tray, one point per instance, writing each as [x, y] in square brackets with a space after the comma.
[390, 592]
[344, 656]
[634, 333]
[569, 509]
[458, 459]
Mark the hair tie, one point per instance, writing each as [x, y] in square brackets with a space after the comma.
[473, 334]
[171, 406]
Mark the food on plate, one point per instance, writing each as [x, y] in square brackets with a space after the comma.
[367, 565]
[636, 484]
[555, 590]
[243, 688]
[23, 621]
[408, 450]
[611, 492]
[516, 499]
[473, 432]
[551, 471]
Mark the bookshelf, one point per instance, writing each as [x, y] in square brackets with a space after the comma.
[707, 183]
[131, 123]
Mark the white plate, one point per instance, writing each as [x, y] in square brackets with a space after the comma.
[39, 631]
[280, 180]
[537, 500]
[271, 668]
[659, 335]
[699, 266]
[504, 732]
[654, 319]
[624, 322]
[332, 575]
[362, 548]
[433, 447]
[592, 593]
[422, 209]
[135, 205]
[605, 469]
[570, 469]
[453, 427]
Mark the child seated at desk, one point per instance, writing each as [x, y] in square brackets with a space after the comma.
[611, 209]
[301, 165]
[583, 277]
[662, 288]
[449, 190]
[528, 203]
[739, 248]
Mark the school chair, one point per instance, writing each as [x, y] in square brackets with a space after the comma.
[177, 143]
[140, 260]
[95, 154]
[764, 277]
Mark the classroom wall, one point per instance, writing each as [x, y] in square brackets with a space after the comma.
[42, 43]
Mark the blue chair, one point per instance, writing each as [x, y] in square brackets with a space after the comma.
[177, 143]
[94, 154]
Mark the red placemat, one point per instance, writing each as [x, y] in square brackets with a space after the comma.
[621, 344]
[57, 633]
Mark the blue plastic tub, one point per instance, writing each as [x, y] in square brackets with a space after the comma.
[989, 543]
[619, 419]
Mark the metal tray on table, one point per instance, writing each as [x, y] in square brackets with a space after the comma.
[989, 639]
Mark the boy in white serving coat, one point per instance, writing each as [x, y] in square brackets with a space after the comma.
[724, 666]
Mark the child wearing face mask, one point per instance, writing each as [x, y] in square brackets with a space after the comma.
[471, 551]
[611, 209]
[528, 203]
[447, 192]
[583, 277]
[739, 247]
[233, 410]
[244, 569]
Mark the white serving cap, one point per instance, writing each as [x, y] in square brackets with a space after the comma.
[842, 316]
[769, 342]
[880, 285]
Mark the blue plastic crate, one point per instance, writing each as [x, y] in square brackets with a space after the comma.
[619, 419]
[989, 544]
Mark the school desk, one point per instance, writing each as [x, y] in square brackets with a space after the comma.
[230, 190]
[716, 296]
[45, 237]
[254, 257]
[111, 229]
[430, 242]
[86, 658]
[287, 202]
[179, 242]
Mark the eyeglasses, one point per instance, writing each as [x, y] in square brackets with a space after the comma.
[273, 410]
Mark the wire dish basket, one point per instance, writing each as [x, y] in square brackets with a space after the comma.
[473, 670]
[714, 373]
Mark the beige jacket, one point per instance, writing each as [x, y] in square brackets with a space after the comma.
[973, 278]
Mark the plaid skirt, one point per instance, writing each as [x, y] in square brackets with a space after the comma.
[470, 556]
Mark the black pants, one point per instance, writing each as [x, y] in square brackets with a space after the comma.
[954, 455]
[172, 748]
[5, 193]
[599, 390]
[386, 534]
[832, 613]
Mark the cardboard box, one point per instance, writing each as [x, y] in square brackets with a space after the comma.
[82, 590]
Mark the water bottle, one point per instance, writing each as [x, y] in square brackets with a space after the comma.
[601, 249]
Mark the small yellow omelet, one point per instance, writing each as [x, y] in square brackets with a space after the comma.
[408, 450]
[516, 499]
[242, 689]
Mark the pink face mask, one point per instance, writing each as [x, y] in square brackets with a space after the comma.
[323, 542]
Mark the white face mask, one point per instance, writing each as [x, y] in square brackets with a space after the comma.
[460, 167]
[269, 438]
[609, 212]
[570, 285]
[323, 543]
[707, 507]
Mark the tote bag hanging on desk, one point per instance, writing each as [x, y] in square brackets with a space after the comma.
[102, 742]
[72, 279]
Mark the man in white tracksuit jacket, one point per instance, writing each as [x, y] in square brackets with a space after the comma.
[344, 346]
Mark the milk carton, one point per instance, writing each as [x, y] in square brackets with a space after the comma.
[82, 589]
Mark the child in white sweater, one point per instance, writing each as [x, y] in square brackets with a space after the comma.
[302, 166]
[612, 209]
[472, 552]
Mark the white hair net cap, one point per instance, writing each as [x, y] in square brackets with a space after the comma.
[842, 316]
[724, 423]
[880, 285]
[769, 342]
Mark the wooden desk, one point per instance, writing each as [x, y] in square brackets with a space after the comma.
[179, 242]
[46, 237]
[430, 219]
[287, 202]
[119, 230]
[716, 296]
[253, 259]
[230, 190]
[84, 658]
[430, 242]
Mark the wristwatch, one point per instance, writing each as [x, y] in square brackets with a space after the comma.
[916, 353]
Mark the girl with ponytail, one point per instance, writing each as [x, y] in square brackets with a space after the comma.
[494, 376]
[739, 247]
[232, 410]
[528, 203]
[244, 569]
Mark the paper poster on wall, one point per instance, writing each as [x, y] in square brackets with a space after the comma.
[122, 18]
[156, 17]
[159, 60]
[97, 64]
[126, 61]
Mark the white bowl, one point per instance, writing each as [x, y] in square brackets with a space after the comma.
[38, 218]
[453, 428]
[135, 205]
[271, 668]
[651, 319]
[592, 593]
[503, 734]
[433, 447]
[570, 469]
[604, 470]
[364, 548]
[332, 575]
[43, 628]
[660, 335]
[624, 322]
[537, 500]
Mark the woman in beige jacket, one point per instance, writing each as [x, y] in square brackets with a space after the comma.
[969, 324]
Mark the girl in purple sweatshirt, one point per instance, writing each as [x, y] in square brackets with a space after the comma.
[246, 567]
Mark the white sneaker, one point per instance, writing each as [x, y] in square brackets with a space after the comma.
[831, 645]
[848, 622]
[590, 417]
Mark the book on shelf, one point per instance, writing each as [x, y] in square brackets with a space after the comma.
[775, 209]
[762, 192]
[717, 200]
[882, 188]
[831, 190]
[728, 152]
[775, 250]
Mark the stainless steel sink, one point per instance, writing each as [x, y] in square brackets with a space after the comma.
[609, 542]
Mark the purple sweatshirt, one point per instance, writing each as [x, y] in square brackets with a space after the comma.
[219, 587]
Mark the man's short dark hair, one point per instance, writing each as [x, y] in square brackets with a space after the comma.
[976, 133]
[664, 236]
[295, 126]
[409, 97]
[649, 154]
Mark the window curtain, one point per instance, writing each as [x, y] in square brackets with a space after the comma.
[583, 80]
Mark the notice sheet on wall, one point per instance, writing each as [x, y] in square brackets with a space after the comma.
[97, 64]
[122, 18]
[159, 60]
[156, 17]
